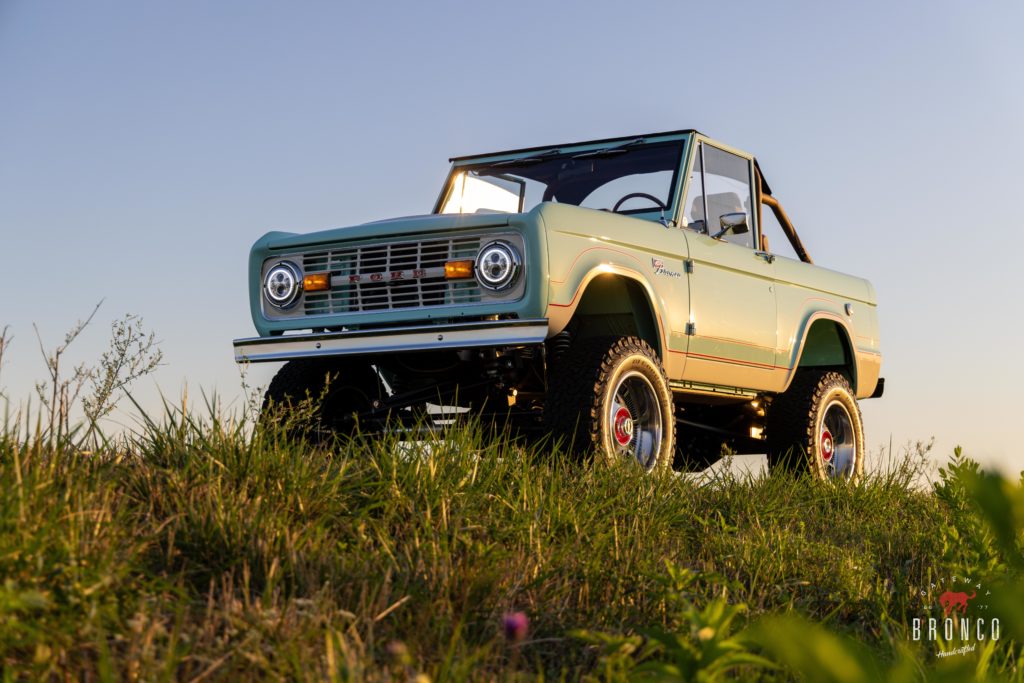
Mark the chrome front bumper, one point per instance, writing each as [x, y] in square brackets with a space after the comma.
[392, 340]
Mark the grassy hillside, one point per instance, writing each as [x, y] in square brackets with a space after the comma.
[196, 550]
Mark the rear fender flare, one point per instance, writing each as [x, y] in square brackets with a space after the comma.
[850, 360]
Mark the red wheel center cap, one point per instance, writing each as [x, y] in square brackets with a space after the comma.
[623, 426]
[827, 445]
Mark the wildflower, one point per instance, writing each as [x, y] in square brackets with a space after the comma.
[515, 625]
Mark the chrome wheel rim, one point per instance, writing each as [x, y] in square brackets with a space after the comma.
[837, 443]
[634, 420]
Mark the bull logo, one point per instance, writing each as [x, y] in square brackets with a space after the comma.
[953, 602]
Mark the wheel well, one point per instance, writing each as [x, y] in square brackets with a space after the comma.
[615, 305]
[827, 345]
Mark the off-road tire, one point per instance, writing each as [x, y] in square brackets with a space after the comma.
[797, 438]
[582, 386]
[297, 396]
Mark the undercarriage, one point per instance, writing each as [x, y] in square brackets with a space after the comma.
[507, 389]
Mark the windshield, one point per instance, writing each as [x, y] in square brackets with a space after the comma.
[628, 178]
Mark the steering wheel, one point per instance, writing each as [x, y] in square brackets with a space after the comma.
[643, 195]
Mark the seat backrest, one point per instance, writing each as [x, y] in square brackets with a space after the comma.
[723, 203]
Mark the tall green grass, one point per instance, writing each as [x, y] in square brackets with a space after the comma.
[201, 548]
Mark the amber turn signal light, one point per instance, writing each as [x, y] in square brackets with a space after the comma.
[317, 282]
[458, 270]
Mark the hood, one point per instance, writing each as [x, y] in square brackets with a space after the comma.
[409, 225]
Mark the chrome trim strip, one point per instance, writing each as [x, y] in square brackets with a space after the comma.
[687, 387]
[391, 340]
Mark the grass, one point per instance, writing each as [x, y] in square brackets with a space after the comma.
[200, 550]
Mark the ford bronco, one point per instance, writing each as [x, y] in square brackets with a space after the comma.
[619, 294]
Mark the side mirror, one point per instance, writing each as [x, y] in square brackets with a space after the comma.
[736, 223]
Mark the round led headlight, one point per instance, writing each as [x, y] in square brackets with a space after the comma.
[497, 265]
[283, 284]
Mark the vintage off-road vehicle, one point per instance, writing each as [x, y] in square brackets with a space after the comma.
[605, 292]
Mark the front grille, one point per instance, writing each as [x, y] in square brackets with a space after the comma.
[361, 277]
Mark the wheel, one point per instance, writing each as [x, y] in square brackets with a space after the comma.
[610, 395]
[816, 426]
[337, 389]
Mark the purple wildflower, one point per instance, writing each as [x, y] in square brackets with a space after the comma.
[515, 626]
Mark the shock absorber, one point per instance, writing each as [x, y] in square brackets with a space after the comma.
[560, 344]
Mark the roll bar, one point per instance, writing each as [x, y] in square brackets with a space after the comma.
[765, 193]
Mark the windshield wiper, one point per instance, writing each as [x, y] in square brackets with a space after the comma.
[528, 160]
[609, 151]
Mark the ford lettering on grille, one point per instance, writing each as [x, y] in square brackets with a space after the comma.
[393, 276]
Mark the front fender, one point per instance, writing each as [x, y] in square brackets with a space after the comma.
[585, 244]
[559, 314]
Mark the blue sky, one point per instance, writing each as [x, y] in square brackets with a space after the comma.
[145, 146]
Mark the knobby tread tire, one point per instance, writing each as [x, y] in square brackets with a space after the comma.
[354, 384]
[793, 422]
[576, 386]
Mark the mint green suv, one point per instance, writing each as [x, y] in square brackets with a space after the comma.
[619, 294]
